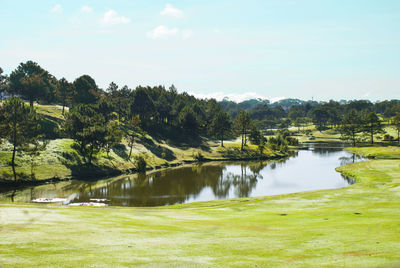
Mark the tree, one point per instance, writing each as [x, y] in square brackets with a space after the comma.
[132, 132]
[85, 90]
[319, 116]
[64, 92]
[372, 125]
[188, 120]
[242, 125]
[33, 150]
[351, 126]
[31, 82]
[221, 125]
[86, 126]
[113, 136]
[3, 83]
[255, 136]
[112, 90]
[396, 124]
[142, 104]
[19, 124]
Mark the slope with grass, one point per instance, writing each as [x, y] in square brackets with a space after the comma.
[60, 159]
[356, 226]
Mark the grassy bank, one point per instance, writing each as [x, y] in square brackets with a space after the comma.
[356, 226]
[389, 152]
[61, 160]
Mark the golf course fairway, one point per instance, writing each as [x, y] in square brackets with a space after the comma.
[355, 226]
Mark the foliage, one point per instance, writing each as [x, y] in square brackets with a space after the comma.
[255, 135]
[319, 117]
[140, 163]
[396, 123]
[372, 125]
[221, 126]
[188, 120]
[32, 82]
[64, 92]
[198, 156]
[85, 90]
[19, 124]
[351, 126]
[85, 126]
[243, 125]
[132, 132]
[113, 136]
[33, 150]
[3, 83]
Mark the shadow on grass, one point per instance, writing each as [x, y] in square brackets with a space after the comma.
[120, 150]
[158, 150]
[81, 170]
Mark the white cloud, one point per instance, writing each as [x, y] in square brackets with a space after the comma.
[171, 11]
[86, 9]
[111, 18]
[276, 99]
[367, 94]
[234, 97]
[56, 9]
[162, 32]
[186, 34]
[216, 31]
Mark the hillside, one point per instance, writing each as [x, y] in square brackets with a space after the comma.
[61, 160]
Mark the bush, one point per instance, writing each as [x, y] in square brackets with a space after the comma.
[140, 163]
[387, 137]
[292, 141]
[283, 148]
[198, 157]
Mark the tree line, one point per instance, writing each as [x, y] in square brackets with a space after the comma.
[98, 119]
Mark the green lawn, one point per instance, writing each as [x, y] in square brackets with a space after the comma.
[356, 226]
[389, 152]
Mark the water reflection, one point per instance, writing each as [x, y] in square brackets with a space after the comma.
[306, 170]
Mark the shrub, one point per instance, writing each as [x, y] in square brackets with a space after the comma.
[198, 157]
[292, 141]
[387, 137]
[140, 163]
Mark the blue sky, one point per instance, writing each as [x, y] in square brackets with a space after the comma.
[321, 49]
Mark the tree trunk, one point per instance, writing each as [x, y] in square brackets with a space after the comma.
[372, 137]
[242, 142]
[63, 108]
[31, 103]
[130, 151]
[398, 135]
[90, 155]
[13, 163]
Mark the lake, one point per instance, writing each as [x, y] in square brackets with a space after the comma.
[307, 170]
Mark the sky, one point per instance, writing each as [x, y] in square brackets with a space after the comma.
[269, 49]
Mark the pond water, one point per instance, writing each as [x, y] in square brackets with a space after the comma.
[306, 170]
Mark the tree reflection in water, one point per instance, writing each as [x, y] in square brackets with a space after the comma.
[177, 185]
[218, 180]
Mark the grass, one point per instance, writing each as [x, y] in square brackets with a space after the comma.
[61, 160]
[333, 135]
[356, 226]
[389, 152]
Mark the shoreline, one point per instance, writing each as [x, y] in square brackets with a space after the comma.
[25, 183]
